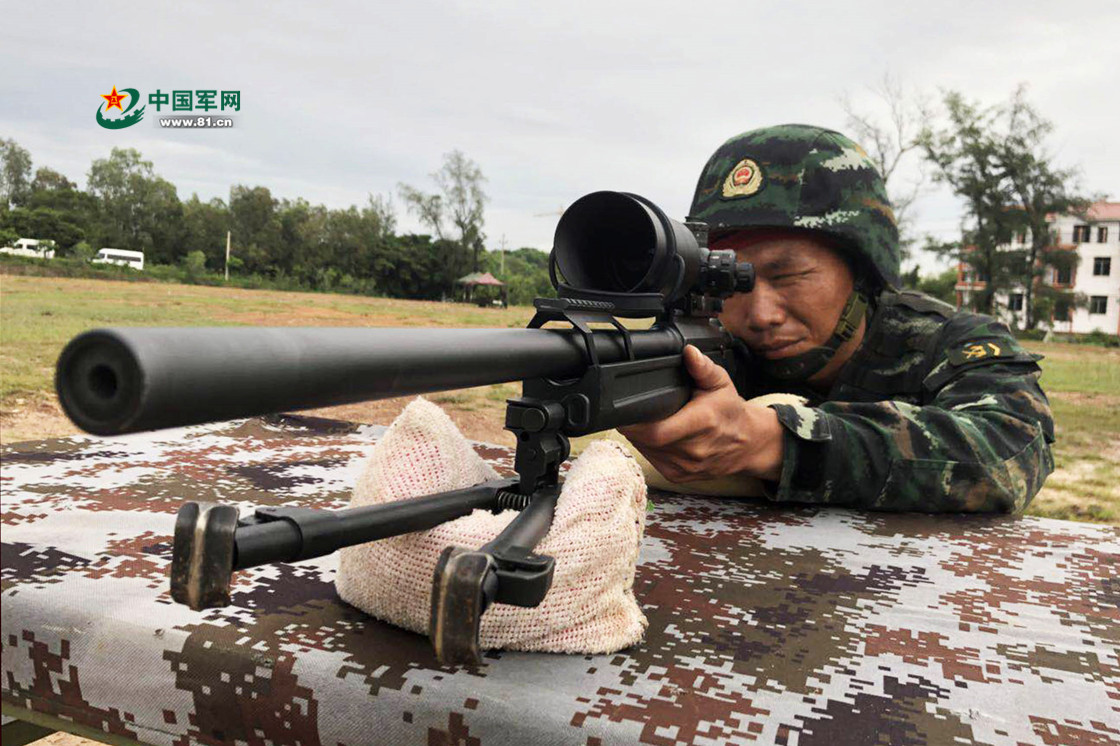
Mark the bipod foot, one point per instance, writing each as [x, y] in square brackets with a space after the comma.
[202, 555]
[458, 601]
[504, 571]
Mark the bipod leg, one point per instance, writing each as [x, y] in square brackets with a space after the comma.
[504, 571]
[210, 542]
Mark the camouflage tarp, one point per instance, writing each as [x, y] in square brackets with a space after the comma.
[767, 624]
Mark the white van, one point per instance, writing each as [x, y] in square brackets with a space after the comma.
[32, 247]
[123, 257]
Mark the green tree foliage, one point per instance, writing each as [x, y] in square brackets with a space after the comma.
[195, 265]
[51, 181]
[205, 225]
[83, 251]
[995, 159]
[281, 242]
[55, 209]
[941, 286]
[138, 210]
[525, 272]
[1039, 189]
[460, 202]
[253, 215]
[43, 223]
[15, 173]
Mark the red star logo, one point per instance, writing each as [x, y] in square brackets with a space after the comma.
[114, 99]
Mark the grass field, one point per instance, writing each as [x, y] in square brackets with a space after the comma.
[38, 315]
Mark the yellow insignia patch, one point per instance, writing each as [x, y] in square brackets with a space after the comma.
[743, 180]
[972, 351]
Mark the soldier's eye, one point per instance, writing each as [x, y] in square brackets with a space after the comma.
[791, 275]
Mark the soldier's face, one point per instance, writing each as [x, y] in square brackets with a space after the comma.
[800, 289]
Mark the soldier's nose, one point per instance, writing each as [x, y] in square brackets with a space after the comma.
[763, 308]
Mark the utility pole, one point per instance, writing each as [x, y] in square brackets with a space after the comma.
[502, 271]
[227, 255]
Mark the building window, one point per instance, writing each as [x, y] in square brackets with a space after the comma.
[1015, 302]
[1061, 313]
[1102, 234]
[1102, 266]
[1098, 304]
[1063, 276]
[1081, 234]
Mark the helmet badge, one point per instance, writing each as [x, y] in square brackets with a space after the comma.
[743, 180]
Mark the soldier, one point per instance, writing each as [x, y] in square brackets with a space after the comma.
[912, 405]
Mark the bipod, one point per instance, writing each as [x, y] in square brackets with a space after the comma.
[506, 570]
[211, 541]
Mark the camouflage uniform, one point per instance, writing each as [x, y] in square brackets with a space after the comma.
[937, 410]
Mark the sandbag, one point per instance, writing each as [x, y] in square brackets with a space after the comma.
[595, 537]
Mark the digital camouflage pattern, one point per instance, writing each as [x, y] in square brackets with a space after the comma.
[937, 410]
[798, 176]
[802, 625]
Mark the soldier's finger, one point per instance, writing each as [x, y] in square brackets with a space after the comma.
[705, 373]
[692, 420]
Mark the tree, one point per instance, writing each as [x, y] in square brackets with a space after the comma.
[965, 154]
[526, 274]
[995, 159]
[195, 265]
[889, 138]
[1040, 190]
[15, 173]
[204, 229]
[57, 209]
[256, 227]
[43, 223]
[139, 210]
[460, 201]
[49, 180]
[941, 286]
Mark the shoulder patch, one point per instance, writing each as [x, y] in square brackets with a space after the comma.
[980, 349]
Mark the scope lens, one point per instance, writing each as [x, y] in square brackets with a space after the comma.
[607, 241]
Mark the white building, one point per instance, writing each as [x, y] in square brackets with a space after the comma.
[1096, 238]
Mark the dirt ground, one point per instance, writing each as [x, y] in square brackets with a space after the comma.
[34, 417]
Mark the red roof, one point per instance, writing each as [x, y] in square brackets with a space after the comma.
[485, 279]
[1104, 211]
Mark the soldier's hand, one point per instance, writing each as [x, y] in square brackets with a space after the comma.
[716, 434]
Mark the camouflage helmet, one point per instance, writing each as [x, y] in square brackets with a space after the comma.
[802, 177]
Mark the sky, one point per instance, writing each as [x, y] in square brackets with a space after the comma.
[552, 100]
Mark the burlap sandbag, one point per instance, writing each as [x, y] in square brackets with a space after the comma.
[730, 486]
[595, 537]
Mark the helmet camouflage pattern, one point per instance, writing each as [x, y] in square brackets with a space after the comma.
[802, 177]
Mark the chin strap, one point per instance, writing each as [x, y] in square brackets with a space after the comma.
[807, 364]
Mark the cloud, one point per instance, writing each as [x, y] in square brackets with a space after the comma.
[553, 101]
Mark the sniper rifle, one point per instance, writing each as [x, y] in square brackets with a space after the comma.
[615, 256]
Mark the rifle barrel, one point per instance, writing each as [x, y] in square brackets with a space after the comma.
[123, 380]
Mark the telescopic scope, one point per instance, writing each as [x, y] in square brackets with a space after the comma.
[618, 243]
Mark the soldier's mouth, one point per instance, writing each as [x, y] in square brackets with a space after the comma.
[778, 348]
